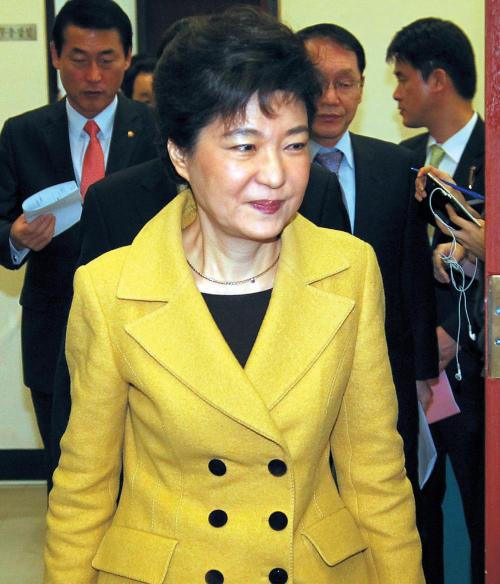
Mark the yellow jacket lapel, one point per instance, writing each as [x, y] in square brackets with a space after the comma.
[302, 318]
[180, 332]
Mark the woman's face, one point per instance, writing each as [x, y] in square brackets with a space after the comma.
[249, 178]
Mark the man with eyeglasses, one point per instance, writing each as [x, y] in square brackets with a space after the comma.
[378, 193]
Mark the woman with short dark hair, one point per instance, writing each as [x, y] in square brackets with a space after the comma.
[228, 352]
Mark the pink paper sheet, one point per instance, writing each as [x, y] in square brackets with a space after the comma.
[443, 403]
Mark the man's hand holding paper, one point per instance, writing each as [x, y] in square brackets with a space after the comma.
[34, 235]
[62, 202]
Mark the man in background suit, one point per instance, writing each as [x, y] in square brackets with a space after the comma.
[378, 195]
[436, 82]
[91, 49]
[117, 208]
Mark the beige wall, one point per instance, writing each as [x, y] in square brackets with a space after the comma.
[23, 63]
[24, 87]
[374, 24]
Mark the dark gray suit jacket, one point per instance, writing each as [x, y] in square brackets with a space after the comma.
[469, 172]
[471, 164]
[386, 217]
[35, 154]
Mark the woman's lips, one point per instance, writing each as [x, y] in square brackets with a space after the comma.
[267, 206]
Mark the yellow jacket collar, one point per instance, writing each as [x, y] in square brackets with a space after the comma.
[155, 265]
[302, 319]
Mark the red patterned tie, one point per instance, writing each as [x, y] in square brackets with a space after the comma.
[93, 161]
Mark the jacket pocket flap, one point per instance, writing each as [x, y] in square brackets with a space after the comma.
[336, 537]
[134, 554]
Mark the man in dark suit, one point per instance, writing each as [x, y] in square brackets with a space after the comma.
[117, 208]
[378, 195]
[436, 82]
[91, 49]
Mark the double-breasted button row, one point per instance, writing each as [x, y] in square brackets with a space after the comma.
[218, 517]
[277, 520]
[276, 576]
[276, 467]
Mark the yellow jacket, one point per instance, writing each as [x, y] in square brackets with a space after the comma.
[154, 382]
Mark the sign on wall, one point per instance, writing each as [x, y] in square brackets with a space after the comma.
[17, 32]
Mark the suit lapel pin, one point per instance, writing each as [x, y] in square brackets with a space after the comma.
[130, 134]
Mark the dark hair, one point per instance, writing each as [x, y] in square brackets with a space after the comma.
[170, 33]
[431, 43]
[216, 63]
[338, 35]
[92, 14]
[139, 64]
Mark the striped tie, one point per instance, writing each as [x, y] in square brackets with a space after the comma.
[330, 160]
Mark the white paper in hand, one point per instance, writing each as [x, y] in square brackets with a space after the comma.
[63, 201]
[427, 454]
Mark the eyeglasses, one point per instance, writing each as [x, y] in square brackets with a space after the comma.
[344, 86]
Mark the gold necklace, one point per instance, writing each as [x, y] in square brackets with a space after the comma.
[235, 282]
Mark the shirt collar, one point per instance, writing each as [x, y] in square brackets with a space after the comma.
[344, 145]
[455, 145]
[103, 119]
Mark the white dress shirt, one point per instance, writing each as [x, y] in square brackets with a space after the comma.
[453, 147]
[79, 139]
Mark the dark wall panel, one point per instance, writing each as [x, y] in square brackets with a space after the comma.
[155, 16]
